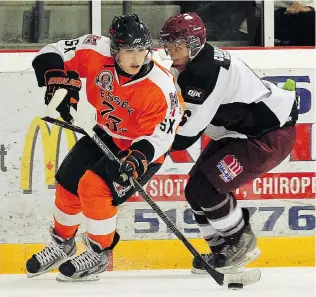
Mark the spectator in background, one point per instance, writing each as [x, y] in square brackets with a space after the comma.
[294, 23]
[295, 7]
[221, 18]
[251, 25]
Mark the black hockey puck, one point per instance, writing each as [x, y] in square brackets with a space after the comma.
[235, 286]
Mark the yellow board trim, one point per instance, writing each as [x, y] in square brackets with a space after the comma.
[172, 254]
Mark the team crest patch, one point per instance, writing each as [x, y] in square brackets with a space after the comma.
[229, 168]
[91, 39]
[104, 80]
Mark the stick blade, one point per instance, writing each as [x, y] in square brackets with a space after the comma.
[246, 277]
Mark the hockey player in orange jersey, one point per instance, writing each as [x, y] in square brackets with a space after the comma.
[137, 111]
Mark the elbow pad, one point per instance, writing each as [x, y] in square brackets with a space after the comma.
[45, 62]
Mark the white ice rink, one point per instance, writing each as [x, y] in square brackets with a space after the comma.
[276, 282]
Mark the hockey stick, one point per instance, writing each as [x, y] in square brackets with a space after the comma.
[246, 277]
[64, 125]
[217, 276]
[59, 96]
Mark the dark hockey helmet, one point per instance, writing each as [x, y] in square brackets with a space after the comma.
[186, 27]
[129, 31]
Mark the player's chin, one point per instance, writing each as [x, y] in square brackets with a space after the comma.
[177, 62]
[134, 69]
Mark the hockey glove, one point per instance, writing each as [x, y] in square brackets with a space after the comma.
[57, 78]
[133, 164]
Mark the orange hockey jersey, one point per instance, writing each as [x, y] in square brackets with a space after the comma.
[147, 108]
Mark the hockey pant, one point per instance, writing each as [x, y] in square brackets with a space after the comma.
[85, 190]
[224, 166]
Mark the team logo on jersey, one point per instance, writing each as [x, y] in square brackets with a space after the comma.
[91, 39]
[229, 167]
[174, 100]
[104, 80]
[194, 93]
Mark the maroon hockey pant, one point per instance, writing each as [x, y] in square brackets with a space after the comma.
[226, 165]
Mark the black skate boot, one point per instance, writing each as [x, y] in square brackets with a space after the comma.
[210, 258]
[234, 257]
[56, 252]
[231, 259]
[89, 265]
[225, 257]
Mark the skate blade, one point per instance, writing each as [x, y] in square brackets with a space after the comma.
[203, 271]
[89, 278]
[249, 257]
[198, 271]
[246, 277]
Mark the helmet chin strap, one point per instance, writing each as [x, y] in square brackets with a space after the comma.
[148, 57]
[180, 68]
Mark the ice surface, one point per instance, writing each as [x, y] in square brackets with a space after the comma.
[275, 282]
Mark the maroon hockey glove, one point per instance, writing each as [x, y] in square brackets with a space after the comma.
[134, 164]
[57, 78]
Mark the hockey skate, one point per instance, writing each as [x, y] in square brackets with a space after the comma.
[233, 257]
[56, 252]
[90, 264]
[211, 258]
[225, 252]
[197, 268]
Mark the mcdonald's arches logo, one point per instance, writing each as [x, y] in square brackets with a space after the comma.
[51, 138]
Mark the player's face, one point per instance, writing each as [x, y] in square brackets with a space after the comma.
[131, 60]
[179, 53]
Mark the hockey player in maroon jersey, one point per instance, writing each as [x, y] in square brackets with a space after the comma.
[252, 126]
